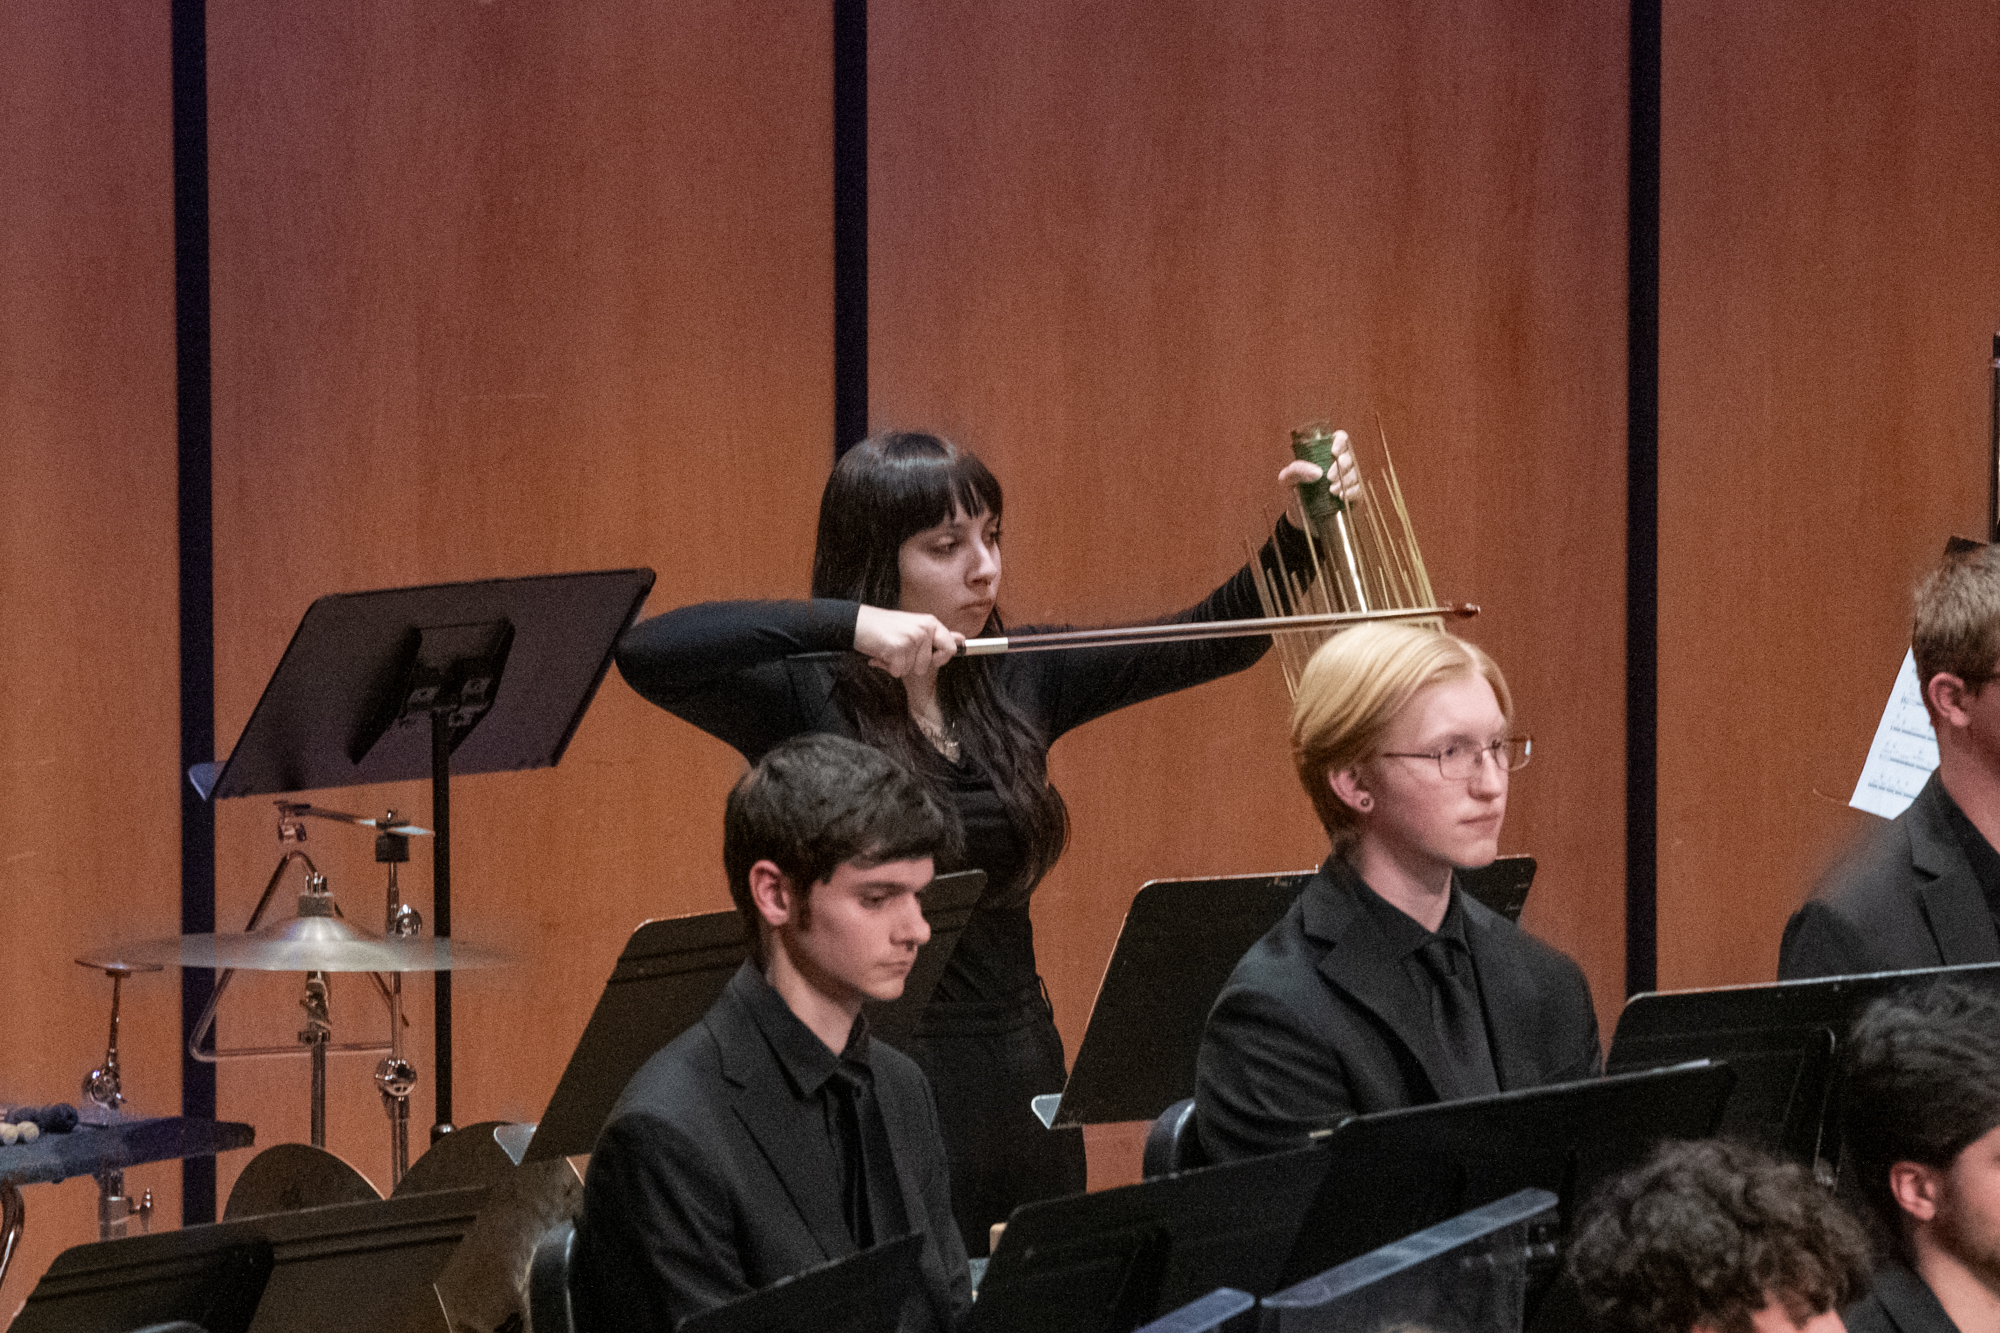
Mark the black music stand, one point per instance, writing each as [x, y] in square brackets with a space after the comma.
[351, 1268]
[1222, 1309]
[484, 677]
[1783, 1040]
[1396, 1172]
[1180, 941]
[862, 1293]
[1465, 1275]
[1110, 1261]
[671, 972]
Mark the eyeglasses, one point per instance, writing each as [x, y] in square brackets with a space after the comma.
[1457, 763]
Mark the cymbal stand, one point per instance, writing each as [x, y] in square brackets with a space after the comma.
[317, 1034]
[395, 1075]
[289, 830]
[103, 1087]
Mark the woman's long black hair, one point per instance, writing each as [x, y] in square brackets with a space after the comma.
[883, 491]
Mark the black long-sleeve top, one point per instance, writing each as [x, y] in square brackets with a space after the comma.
[727, 667]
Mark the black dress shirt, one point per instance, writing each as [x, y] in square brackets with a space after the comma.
[857, 1140]
[1439, 965]
[1979, 853]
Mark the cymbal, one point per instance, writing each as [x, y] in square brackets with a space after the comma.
[291, 808]
[112, 965]
[312, 944]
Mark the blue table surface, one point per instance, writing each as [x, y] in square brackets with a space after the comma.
[89, 1149]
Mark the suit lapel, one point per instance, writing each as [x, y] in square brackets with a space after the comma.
[1508, 994]
[1360, 962]
[1961, 924]
[792, 1143]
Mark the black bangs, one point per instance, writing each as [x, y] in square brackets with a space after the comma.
[882, 492]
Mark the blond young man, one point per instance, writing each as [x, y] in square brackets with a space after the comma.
[1924, 889]
[1385, 985]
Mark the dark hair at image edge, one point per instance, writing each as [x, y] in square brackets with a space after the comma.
[1921, 1082]
[1709, 1233]
[882, 492]
[818, 802]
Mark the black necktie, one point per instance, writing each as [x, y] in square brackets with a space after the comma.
[850, 1093]
[1461, 1029]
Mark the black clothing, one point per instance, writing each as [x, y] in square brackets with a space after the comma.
[1439, 966]
[722, 1169]
[987, 1061]
[1909, 896]
[1322, 1020]
[1979, 853]
[842, 1086]
[1900, 1303]
[726, 668]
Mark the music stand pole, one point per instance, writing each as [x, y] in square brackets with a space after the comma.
[441, 912]
[1993, 442]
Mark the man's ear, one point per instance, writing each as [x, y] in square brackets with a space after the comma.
[1917, 1188]
[1948, 695]
[1351, 788]
[771, 891]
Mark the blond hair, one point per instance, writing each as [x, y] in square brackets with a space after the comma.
[1353, 688]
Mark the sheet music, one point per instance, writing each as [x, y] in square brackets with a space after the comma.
[1903, 753]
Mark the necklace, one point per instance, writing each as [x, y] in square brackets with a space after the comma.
[942, 736]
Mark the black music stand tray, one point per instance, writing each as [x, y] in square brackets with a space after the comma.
[1783, 1040]
[1110, 1261]
[483, 677]
[671, 972]
[1394, 1173]
[1465, 1275]
[1180, 941]
[862, 1293]
[350, 1268]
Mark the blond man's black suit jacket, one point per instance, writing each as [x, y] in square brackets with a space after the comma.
[1320, 1021]
[711, 1179]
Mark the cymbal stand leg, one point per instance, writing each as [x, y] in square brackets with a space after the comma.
[13, 1217]
[395, 1075]
[102, 1086]
[317, 1032]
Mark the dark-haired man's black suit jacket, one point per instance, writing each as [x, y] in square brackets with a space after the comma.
[1900, 1303]
[711, 1180]
[1904, 898]
[1320, 1021]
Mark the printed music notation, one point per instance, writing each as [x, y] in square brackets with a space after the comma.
[1903, 753]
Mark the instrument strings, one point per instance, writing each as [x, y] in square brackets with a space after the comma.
[1364, 555]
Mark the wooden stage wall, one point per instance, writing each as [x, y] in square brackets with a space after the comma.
[1124, 251]
[1829, 291]
[498, 291]
[89, 721]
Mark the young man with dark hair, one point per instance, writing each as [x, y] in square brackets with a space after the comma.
[1716, 1237]
[1920, 1107]
[774, 1136]
[1924, 889]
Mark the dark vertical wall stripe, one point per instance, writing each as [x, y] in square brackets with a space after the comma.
[850, 223]
[197, 587]
[1642, 509]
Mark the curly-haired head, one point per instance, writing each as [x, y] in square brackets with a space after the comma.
[1710, 1233]
[1921, 1081]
